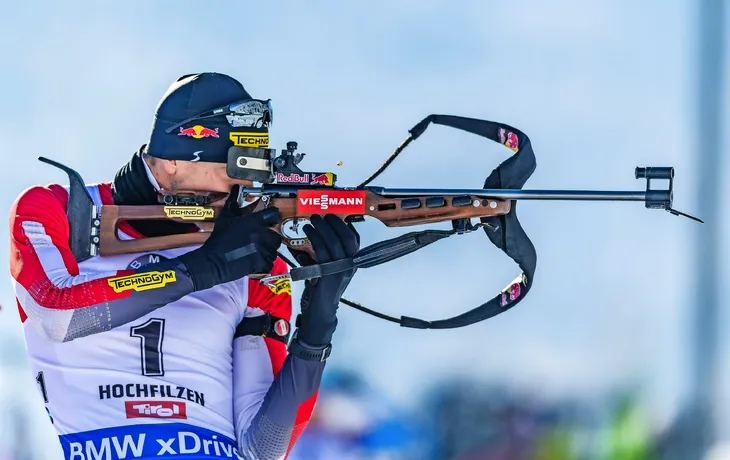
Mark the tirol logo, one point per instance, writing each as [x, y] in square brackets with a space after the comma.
[331, 201]
[155, 409]
[198, 132]
[249, 139]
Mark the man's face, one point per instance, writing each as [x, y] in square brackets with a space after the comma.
[198, 175]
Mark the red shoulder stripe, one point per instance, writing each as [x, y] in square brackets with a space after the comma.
[41, 260]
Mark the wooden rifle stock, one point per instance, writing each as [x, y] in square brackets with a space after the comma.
[391, 211]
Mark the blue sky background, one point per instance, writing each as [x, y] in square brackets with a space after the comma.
[600, 87]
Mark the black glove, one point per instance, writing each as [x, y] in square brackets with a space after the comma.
[239, 245]
[332, 239]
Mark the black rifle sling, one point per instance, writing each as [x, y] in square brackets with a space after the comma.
[503, 231]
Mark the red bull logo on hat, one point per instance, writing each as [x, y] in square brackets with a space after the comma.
[198, 132]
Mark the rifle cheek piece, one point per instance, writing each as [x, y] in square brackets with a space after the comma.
[260, 165]
[248, 163]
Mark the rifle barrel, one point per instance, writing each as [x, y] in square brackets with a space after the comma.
[504, 194]
[517, 194]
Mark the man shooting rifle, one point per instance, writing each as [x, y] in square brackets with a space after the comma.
[176, 351]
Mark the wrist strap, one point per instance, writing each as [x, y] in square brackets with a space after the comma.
[307, 353]
[319, 270]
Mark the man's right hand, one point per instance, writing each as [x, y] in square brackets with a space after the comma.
[239, 245]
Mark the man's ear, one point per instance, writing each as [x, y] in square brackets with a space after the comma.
[169, 166]
[163, 171]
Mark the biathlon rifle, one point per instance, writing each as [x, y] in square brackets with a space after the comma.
[298, 194]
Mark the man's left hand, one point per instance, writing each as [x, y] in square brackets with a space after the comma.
[332, 239]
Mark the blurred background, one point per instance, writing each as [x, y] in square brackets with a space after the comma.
[617, 353]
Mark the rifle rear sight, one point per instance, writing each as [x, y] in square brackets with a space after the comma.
[262, 165]
[287, 161]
